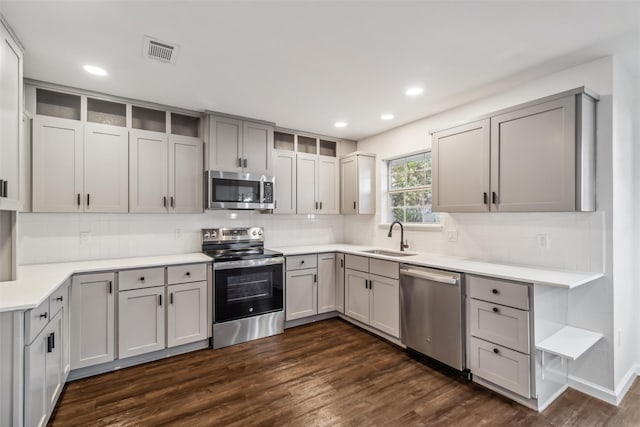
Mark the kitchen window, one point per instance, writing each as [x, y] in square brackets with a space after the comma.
[409, 189]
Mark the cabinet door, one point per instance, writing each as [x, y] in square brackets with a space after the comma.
[257, 148]
[284, 169]
[385, 305]
[106, 168]
[349, 184]
[148, 172]
[460, 168]
[357, 295]
[185, 174]
[57, 165]
[187, 313]
[340, 283]
[225, 144]
[306, 188]
[301, 295]
[328, 185]
[54, 360]
[92, 319]
[326, 283]
[533, 158]
[140, 321]
[35, 382]
[10, 119]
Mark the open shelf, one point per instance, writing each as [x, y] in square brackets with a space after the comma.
[307, 145]
[185, 125]
[57, 104]
[283, 141]
[106, 112]
[148, 119]
[328, 148]
[569, 342]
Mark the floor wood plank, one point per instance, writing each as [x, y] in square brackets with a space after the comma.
[324, 374]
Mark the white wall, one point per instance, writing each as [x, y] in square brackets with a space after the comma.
[624, 236]
[578, 241]
[56, 237]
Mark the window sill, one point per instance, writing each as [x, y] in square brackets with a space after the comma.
[416, 227]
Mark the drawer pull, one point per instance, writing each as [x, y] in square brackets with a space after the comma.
[494, 291]
[44, 315]
[495, 309]
[142, 279]
[60, 299]
[301, 262]
[188, 274]
[496, 351]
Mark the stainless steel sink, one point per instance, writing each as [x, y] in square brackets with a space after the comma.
[387, 252]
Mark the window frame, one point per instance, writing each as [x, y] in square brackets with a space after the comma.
[387, 192]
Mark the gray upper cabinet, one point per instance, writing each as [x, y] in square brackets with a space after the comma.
[284, 169]
[357, 184]
[535, 157]
[460, 168]
[236, 145]
[11, 95]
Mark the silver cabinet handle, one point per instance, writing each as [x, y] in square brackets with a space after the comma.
[429, 276]
[244, 163]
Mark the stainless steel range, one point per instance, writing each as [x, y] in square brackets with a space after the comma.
[248, 282]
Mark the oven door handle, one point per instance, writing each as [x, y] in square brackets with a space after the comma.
[227, 265]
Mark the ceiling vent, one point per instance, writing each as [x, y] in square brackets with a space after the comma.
[160, 51]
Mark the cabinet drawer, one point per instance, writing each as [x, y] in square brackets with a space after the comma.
[384, 268]
[58, 299]
[36, 319]
[186, 273]
[503, 292]
[299, 262]
[501, 366]
[500, 324]
[141, 278]
[356, 262]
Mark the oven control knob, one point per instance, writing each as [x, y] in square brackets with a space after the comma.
[214, 234]
[206, 235]
[254, 233]
[259, 232]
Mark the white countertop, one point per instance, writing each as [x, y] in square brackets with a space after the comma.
[537, 276]
[36, 282]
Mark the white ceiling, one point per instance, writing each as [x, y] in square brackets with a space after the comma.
[305, 65]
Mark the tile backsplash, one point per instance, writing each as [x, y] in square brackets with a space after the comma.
[66, 237]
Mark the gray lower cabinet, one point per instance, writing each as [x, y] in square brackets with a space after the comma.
[92, 319]
[499, 342]
[186, 313]
[340, 282]
[46, 363]
[535, 157]
[141, 321]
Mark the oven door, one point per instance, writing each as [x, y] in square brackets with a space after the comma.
[248, 288]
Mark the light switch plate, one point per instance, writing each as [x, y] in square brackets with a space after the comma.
[452, 235]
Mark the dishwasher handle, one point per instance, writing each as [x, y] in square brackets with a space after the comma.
[429, 276]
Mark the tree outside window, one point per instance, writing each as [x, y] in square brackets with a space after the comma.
[410, 189]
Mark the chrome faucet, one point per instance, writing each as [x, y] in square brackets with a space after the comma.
[403, 245]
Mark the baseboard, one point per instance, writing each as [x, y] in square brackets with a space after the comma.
[613, 397]
[626, 382]
[592, 389]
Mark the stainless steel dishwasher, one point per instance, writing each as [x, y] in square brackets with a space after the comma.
[431, 315]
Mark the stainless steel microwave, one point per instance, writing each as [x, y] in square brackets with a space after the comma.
[233, 190]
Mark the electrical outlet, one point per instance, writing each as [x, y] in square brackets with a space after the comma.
[177, 234]
[452, 235]
[543, 241]
[85, 236]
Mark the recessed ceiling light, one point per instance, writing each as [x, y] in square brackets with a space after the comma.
[96, 71]
[414, 91]
[387, 116]
[340, 124]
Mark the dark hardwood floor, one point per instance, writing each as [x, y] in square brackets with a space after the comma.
[327, 373]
